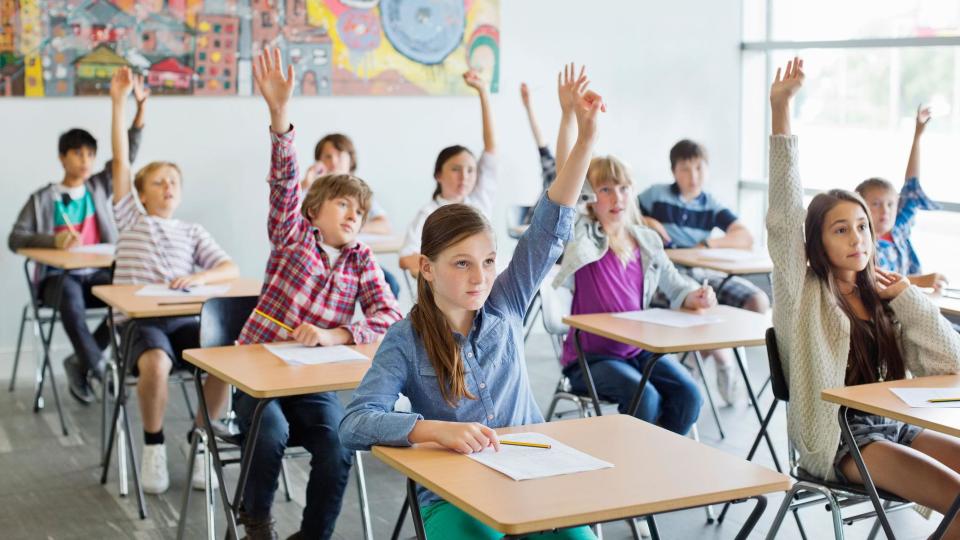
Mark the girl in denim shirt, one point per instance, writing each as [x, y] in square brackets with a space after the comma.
[459, 354]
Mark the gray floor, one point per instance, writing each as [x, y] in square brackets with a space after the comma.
[49, 484]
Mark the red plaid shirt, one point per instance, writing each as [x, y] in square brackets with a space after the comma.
[301, 284]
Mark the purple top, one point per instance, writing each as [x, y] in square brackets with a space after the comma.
[605, 286]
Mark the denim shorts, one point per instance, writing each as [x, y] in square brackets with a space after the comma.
[868, 428]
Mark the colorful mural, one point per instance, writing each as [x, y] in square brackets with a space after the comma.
[206, 47]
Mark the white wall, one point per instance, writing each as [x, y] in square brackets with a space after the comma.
[666, 69]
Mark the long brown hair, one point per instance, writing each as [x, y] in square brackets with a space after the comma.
[863, 367]
[446, 226]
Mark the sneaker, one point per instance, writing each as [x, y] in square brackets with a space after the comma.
[198, 477]
[643, 527]
[728, 383]
[95, 378]
[296, 536]
[77, 380]
[153, 470]
[258, 529]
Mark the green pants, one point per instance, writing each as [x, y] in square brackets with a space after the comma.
[442, 520]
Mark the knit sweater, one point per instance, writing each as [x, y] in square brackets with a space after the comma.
[813, 332]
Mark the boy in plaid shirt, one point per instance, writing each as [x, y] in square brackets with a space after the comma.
[316, 274]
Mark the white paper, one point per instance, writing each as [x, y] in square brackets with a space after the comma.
[163, 290]
[669, 317]
[728, 255]
[300, 355]
[371, 239]
[525, 463]
[95, 249]
[919, 398]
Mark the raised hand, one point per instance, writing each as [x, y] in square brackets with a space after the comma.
[589, 105]
[140, 91]
[923, 118]
[121, 84]
[525, 94]
[275, 87]
[571, 85]
[787, 82]
[890, 284]
[473, 79]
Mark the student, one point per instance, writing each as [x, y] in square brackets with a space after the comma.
[685, 216]
[316, 274]
[459, 355]
[461, 178]
[154, 247]
[893, 225]
[614, 264]
[336, 154]
[840, 321]
[76, 212]
[548, 164]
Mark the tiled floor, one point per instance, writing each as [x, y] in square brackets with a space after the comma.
[49, 485]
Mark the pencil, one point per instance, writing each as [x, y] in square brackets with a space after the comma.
[274, 321]
[67, 221]
[530, 444]
[943, 400]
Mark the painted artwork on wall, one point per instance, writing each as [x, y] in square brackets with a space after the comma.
[206, 47]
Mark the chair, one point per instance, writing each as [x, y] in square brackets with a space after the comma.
[221, 320]
[517, 216]
[836, 495]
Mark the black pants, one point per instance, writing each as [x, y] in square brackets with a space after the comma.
[75, 299]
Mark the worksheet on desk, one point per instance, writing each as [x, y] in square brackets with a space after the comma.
[162, 290]
[95, 249]
[920, 397]
[669, 317]
[526, 463]
[301, 355]
[728, 255]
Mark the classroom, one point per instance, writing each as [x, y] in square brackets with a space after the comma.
[532, 269]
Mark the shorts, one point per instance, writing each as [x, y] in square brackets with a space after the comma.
[172, 335]
[869, 428]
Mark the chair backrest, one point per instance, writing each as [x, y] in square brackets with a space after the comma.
[518, 214]
[778, 382]
[221, 319]
[556, 305]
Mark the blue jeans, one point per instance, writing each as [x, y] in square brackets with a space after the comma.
[75, 299]
[310, 421]
[671, 399]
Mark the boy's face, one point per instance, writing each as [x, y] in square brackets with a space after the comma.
[613, 202]
[160, 193]
[463, 274]
[846, 237]
[339, 220]
[335, 161]
[690, 175]
[883, 208]
[457, 177]
[78, 164]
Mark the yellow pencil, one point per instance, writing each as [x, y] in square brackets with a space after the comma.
[530, 444]
[274, 321]
[943, 400]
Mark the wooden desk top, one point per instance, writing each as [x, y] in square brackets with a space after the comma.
[700, 258]
[259, 373]
[66, 260]
[948, 306]
[654, 471]
[878, 399]
[123, 299]
[382, 243]
[739, 328]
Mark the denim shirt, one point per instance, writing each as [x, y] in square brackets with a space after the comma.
[492, 353]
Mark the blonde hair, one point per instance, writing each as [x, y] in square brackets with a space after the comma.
[149, 169]
[610, 170]
[332, 186]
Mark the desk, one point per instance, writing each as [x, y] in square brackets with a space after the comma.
[655, 471]
[65, 261]
[878, 399]
[757, 263]
[739, 328]
[382, 243]
[123, 298]
[260, 374]
[949, 306]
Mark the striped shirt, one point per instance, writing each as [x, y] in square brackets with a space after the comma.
[302, 283]
[153, 249]
[687, 222]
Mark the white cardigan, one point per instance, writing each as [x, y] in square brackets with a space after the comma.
[813, 333]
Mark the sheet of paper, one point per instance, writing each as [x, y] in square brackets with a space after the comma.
[369, 239]
[728, 254]
[299, 355]
[919, 398]
[95, 249]
[525, 463]
[164, 291]
[669, 317]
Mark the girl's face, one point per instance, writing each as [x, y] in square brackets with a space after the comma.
[161, 192]
[883, 208]
[462, 275]
[335, 161]
[457, 177]
[613, 204]
[846, 237]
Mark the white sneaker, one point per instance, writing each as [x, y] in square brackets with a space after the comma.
[643, 527]
[198, 477]
[153, 470]
[728, 383]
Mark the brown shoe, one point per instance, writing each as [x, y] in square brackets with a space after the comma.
[258, 529]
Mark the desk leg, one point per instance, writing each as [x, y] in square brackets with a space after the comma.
[585, 372]
[756, 406]
[698, 359]
[753, 518]
[753, 448]
[415, 509]
[362, 492]
[212, 452]
[847, 434]
[398, 526]
[119, 404]
[45, 367]
[947, 519]
[647, 370]
[248, 447]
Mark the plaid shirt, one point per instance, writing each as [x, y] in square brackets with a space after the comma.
[898, 255]
[302, 285]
